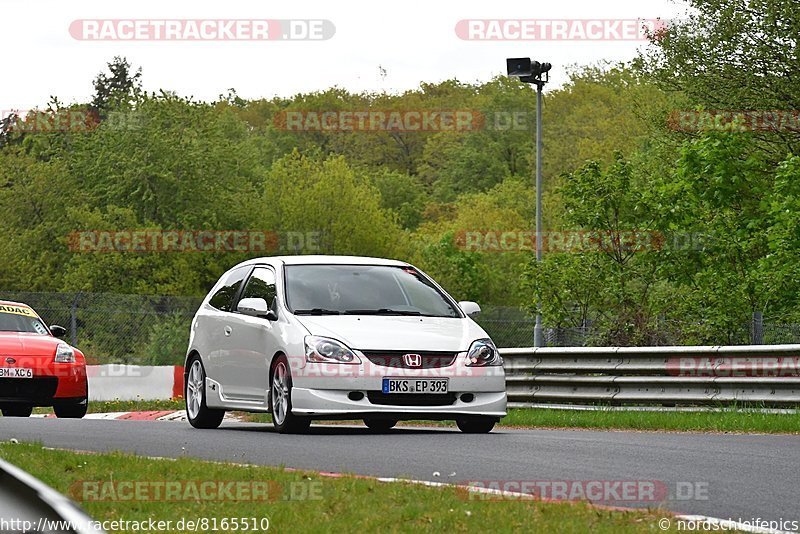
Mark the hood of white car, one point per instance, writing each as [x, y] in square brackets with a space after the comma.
[369, 332]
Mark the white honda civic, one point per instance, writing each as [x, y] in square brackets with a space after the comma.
[340, 337]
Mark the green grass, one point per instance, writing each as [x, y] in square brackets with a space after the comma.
[728, 420]
[341, 504]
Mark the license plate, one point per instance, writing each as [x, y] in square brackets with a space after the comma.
[414, 385]
[15, 372]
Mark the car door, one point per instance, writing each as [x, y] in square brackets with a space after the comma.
[215, 328]
[252, 340]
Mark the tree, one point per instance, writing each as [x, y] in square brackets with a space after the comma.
[733, 55]
[328, 199]
[117, 90]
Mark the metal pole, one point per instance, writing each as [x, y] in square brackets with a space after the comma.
[537, 329]
[757, 335]
[73, 320]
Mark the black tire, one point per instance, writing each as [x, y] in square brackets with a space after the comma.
[17, 410]
[198, 413]
[380, 425]
[280, 400]
[70, 411]
[476, 425]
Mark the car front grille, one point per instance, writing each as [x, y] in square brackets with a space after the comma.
[394, 358]
[28, 388]
[411, 399]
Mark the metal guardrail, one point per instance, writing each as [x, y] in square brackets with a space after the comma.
[761, 375]
[28, 505]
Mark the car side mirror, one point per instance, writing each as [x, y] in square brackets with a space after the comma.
[256, 307]
[470, 308]
[58, 331]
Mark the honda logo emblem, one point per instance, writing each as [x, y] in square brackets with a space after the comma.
[412, 360]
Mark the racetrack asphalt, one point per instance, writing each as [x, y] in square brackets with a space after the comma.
[730, 475]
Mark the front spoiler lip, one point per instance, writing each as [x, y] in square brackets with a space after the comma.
[400, 416]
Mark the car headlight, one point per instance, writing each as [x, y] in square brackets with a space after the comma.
[483, 353]
[326, 350]
[64, 354]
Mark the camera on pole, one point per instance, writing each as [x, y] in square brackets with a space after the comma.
[534, 72]
[528, 71]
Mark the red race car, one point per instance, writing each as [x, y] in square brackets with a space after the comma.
[36, 368]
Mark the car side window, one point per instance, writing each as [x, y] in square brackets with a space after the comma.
[223, 298]
[261, 285]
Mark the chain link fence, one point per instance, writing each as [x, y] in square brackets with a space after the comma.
[112, 328]
[151, 330]
[513, 327]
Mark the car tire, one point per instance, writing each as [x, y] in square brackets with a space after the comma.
[476, 425]
[280, 400]
[380, 425]
[17, 410]
[194, 391]
[70, 411]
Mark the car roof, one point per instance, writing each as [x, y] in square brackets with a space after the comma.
[13, 303]
[326, 260]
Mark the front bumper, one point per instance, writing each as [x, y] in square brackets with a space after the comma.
[336, 391]
[50, 385]
[334, 404]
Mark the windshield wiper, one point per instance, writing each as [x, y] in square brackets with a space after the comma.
[317, 311]
[382, 311]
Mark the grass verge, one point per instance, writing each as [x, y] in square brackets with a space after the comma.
[728, 420]
[302, 501]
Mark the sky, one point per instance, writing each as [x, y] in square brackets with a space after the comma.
[412, 41]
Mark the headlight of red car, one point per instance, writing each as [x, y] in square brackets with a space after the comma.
[64, 354]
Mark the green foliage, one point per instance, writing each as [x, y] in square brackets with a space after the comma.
[401, 193]
[117, 89]
[308, 194]
[166, 344]
[733, 55]
[612, 167]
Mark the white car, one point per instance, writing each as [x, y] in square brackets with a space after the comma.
[340, 337]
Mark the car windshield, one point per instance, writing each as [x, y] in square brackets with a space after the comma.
[363, 290]
[20, 319]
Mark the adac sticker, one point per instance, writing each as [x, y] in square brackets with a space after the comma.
[18, 310]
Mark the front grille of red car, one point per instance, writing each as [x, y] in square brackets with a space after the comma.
[394, 358]
[28, 388]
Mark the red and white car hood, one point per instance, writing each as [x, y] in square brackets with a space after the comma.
[27, 344]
